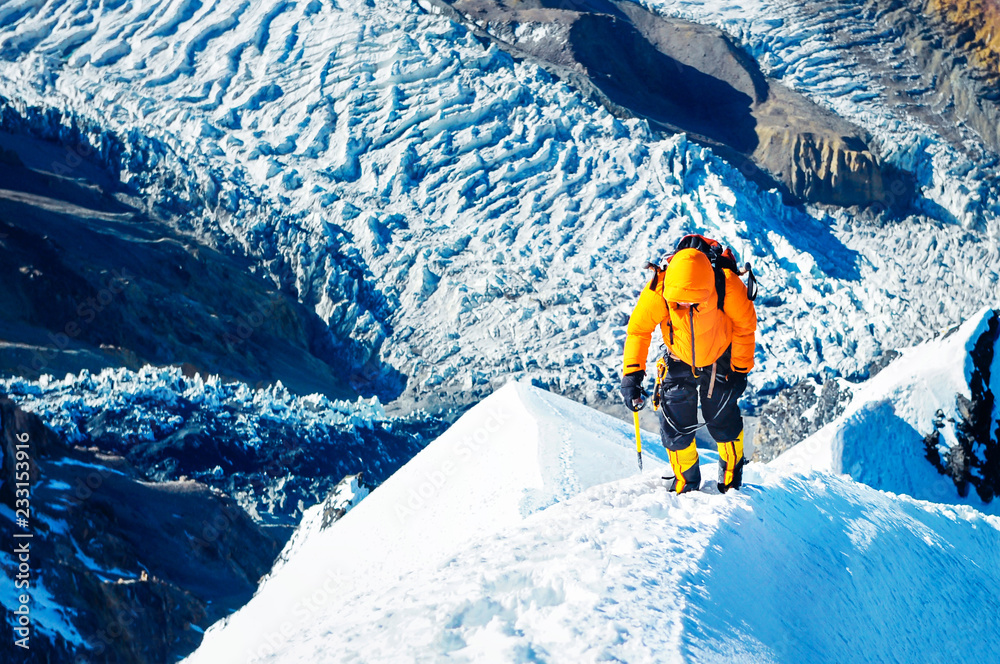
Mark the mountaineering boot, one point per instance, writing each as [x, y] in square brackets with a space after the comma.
[731, 463]
[687, 473]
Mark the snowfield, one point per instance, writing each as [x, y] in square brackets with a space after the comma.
[527, 534]
[462, 217]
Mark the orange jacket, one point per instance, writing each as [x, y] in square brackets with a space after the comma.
[690, 279]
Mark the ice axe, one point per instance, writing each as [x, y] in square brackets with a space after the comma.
[638, 405]
[638, 439]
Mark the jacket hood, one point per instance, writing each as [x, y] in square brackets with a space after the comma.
[689, 278]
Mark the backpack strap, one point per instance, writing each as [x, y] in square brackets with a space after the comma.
[720, 287]
[751, 283]
[654, 282]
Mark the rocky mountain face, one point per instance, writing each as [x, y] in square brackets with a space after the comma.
[681, 76]
[937, 59]
[974, 460]
[973, 23]
[794, 414]
[957, 42]
[119, 568]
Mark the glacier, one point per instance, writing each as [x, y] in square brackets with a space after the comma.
[276, 453]
[461, 216]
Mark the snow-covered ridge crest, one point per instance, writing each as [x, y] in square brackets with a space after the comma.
[526, 533]
[518, 452]
[342, 498]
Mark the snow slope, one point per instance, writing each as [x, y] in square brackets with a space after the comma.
[462, 217]
[879, 439]
[526, 534]
[516, 453]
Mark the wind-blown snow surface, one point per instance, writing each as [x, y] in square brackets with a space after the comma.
[879, 439]
[525, 534]
[420, 187]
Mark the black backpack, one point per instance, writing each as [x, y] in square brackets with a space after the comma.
[722, 258]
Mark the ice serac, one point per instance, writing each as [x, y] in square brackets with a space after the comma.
[121, 569]
[543, 543]
[925, 426]
[681, 76]
[274, 452]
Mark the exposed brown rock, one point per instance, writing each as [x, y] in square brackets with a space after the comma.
[822, 158]
[976, 26]
[684, 77]
[954, 46]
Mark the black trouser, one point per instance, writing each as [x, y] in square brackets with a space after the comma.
[679, 403]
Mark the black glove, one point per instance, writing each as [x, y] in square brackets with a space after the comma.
[632, 391]
[737, 382]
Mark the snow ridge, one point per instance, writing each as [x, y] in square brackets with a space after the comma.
[880, 438]
[620, 570]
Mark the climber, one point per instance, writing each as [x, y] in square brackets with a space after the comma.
[708, 322]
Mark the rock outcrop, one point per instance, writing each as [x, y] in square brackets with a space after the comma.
[975, 28]
[974, 461]
[799, 411]
[818, 166]
[684, 77]
[955, 47]
[796, 413]
[343, 497]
